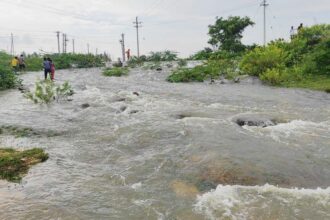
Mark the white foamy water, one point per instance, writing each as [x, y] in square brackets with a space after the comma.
[117, 157]
[264, 202]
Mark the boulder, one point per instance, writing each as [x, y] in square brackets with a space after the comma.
[85, 105]
[257, 121]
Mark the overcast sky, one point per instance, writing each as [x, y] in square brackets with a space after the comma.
[178, 25]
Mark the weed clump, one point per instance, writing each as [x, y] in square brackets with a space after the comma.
[15, 164]
[46, 92]
[115, 71]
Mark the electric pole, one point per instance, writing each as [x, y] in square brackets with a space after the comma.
[264, 4]
[58, 41]
[63, 43]
[12, 50]
[137, 26]
[122, 42]
[88, 48]
[73, 51]
[66, 43]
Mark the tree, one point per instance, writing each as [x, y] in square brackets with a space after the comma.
[226, 34]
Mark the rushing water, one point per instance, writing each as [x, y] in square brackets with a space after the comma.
[173, 152]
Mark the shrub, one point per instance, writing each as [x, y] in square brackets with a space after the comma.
[271, 76]
[8, 78]
[162, 56]
[135, 61]
[182, 62]
[115, 71]
[259, 60]
[46, 92]
[186, 75]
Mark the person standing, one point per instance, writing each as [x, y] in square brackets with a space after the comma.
[21, 62]
[128, 54]
[292, 32]
[301, 26]
[14, 64]
[47, 66]
[52, 69]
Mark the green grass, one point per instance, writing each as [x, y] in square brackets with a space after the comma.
[15, 164]
[115, 71]
[315, 82]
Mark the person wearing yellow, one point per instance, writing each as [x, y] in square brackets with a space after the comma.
[14, 64]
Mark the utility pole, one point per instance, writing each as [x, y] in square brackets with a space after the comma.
[137, 26]
[87, 48]
[66, 43]
[265, 4]
[96, 51]
[73, 51]
[122, 42]
[58, 41]
[63, 43]
[12, 50]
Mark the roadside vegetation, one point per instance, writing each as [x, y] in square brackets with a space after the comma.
[302, 62]
[115, 71]
[15, 164]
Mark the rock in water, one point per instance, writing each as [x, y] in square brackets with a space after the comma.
[85, 105]
[159, 69]
[255, 121]
[136, 93]
[237, 80]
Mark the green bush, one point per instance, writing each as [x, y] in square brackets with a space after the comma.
[33, 63]
[182, 62]
[162, 56]
[186, 75]
[8, 78]
[46, 92]
[259, 60]
[135, 61]
[115, 71]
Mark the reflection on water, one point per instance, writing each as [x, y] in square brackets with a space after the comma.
[161, 154]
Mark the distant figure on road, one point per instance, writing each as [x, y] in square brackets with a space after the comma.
[14, 64]
[128, 54]
[21, 62]
[301, 26]
[120, 64]
[52, 69]
[47, 66]
[292, 32]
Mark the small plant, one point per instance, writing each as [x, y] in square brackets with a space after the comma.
[182, 62]
[115, 71]
[46, 92]
[14, 164]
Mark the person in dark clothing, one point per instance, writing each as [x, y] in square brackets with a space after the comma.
[47, 67]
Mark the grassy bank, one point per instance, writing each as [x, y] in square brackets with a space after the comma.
[302, 62]
[321, 83]
[15, 164]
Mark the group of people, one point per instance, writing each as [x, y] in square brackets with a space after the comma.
[49, 68]
[18, 63]
[293, 30]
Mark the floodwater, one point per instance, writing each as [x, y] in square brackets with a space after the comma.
[173, 152]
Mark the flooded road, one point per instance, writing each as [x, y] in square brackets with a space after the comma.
[172, 151]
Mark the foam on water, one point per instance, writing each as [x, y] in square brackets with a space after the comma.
[295, 128]
[264, 202]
